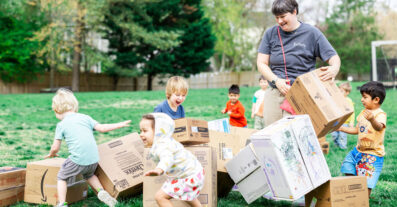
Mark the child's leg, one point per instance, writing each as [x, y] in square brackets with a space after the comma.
[103, 195]
[194, 203]
[62, 188]
[335, 136]
[163, 199]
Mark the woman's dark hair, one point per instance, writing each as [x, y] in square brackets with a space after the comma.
[150, 118]
[280, 7]
[374, 89]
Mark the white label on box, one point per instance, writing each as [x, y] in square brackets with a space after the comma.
[85, 193]
[227, 153]
[194, 129]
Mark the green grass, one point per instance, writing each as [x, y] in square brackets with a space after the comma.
[27, 127]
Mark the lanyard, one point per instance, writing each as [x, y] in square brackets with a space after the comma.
[282, 49]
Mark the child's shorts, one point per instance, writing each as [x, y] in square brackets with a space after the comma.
[363, 164]
[186, 189]
[70, 170]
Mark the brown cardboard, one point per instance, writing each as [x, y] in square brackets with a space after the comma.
[349, 191]
[12, 184]
[244, 133]
[322, 100]
[41, 183]
[226, 146]
[191, 131]
[322, 139]
[120, 168]
[207, 197]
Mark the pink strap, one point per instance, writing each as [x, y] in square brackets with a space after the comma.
[282, 49]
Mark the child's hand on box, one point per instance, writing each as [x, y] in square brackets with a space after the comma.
[51, 155]
[155, 172]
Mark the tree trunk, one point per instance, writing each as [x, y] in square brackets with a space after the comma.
[77, 47]
[149, 81]
[115, 82]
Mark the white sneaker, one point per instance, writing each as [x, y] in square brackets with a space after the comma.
[105, 197]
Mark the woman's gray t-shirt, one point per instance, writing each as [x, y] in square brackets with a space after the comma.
[301, 48]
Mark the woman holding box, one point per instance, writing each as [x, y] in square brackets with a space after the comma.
[288, 50]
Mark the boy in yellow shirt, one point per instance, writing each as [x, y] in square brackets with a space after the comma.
[339, 137]
[366, 159]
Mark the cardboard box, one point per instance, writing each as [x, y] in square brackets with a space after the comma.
[349, 191]
[120, 167]
[247, 172]
[325, 147]
[12, 184]
[41, 183]
[244, 133]
[207, 197]
[291, 156]
[322, 139]
[220, 125]
[321, 100]
[191, 131]
[226, 146]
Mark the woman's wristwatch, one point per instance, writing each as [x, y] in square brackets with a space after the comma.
[274, 81]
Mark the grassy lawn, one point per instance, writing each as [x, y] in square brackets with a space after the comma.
[27, 127]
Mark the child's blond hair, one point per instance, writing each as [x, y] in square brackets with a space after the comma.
[346, 86]
[176, 84]
[64, 101]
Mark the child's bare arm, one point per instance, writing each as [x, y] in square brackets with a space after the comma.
[349, 130]
[54, 149]
[253, 110]
[370, 117]
[109, 127]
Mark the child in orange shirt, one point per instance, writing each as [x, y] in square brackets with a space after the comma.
[234, 108]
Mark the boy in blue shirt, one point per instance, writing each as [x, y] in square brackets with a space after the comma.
[77, 130]
[176, 92]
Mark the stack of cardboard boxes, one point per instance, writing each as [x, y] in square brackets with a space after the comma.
[194, 135]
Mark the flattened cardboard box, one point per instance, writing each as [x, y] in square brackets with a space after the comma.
[349, 191]
[191, 131]
[41, 183]
[291, 156]
[321, 100]
[207, 195]
[12, 184]
[120, 167]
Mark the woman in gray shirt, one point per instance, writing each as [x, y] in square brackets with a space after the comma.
[302, 44]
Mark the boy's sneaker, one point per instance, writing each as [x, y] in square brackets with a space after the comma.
[62, 205]
[105, 197]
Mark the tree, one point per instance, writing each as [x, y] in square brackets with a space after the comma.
[18, 61]
[158, 37]
[350, 29]
[238, 26]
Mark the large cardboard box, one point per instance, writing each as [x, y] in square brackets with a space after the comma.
[244, 133]
[350, 191]
[207, 197]
[247, 172]
[220, 125]
[292, 157]
[322, 100]
[41, 183]
[226, 146]
[120, 167]
[191, 131]
[12, 184]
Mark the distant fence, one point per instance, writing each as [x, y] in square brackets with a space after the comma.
[102, 82]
